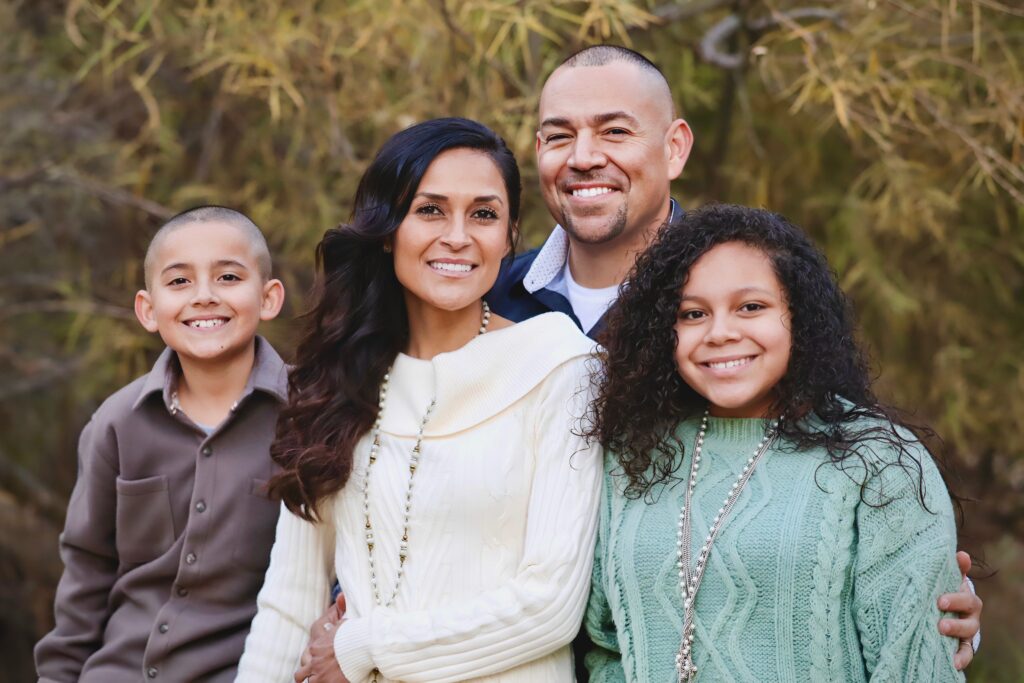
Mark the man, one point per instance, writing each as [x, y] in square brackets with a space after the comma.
[609, 144]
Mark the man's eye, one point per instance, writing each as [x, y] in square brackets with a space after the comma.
[556, 137]
[617, 131]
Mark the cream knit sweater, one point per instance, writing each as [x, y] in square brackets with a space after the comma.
[504, 514]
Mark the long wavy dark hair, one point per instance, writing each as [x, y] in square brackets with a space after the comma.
[358, 322]
[641, 396]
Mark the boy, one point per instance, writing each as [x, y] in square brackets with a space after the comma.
[169, 529]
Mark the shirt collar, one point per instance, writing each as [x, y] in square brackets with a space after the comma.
[553, 255]
[269, 375]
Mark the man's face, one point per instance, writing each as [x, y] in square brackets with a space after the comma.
[607, 150]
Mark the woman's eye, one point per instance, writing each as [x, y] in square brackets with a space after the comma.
[486, 214]
[429, 210]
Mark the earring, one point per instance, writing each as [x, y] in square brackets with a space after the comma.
[387, 248]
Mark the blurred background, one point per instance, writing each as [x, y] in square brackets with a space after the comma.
[892, 130]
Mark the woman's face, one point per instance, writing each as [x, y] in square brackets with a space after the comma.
[449, 247]
[732, 333]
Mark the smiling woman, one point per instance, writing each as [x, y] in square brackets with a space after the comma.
[429, 458]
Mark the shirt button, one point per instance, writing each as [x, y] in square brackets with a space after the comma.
[151, 672]
[190, 558]
[164, 628]
[201, 506]
[207, 451]
[182, 591]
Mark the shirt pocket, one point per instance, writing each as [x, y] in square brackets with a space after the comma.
[145, 527]
[252, 550]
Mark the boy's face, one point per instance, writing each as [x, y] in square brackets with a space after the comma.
[206, 295]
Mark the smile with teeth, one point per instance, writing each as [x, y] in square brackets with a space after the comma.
[591, 191]
[728, 364]
[206, 323]
[451, 267]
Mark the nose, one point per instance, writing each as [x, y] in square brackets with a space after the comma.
[455, 236]
[722, 330]
[204, 293]
[586, 154]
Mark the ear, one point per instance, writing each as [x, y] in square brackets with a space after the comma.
[144, 310]
[273, 299]
[678, 143]
[536, 146]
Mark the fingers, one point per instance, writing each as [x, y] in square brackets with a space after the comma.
[304, 672]
[963, 560]
[965, 629]
[963, 656]
[965, 604]
[306, 658]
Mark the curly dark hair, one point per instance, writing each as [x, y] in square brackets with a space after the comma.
[358, 322]
[641, 396]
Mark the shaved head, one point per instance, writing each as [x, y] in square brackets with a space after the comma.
[602, 55]
[211, 214]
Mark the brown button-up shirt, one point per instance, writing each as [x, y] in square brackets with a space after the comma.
[168, 535]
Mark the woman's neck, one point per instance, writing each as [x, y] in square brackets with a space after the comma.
[434, 330]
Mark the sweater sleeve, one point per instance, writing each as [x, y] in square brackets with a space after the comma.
[295, 593]
[604, 662]
[88, 550]
[529, 616]
[905, 560]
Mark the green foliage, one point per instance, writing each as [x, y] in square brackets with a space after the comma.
[892, 131]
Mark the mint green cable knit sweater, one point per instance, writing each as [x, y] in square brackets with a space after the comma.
[805, 582]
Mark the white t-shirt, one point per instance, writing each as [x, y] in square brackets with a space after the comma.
[588, 304]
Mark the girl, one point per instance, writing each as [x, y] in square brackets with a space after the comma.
[428, 460]
[764, 517]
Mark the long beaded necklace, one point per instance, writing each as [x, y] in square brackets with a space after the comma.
[690, 579]
[414, 460]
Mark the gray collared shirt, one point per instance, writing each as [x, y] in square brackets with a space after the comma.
[168, 534]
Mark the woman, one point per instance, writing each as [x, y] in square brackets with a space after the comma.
[428, 456]
[765, 518]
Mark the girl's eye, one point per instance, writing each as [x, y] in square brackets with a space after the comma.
[692, 314]
[429, 210]
[752, 307]
[486, 213]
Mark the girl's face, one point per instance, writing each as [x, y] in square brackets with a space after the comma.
[732, 333]
[449, 247]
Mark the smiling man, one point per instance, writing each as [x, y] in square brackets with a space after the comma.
[609, 144]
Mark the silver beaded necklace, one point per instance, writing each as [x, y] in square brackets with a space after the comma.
[414, 460]
[690, 578]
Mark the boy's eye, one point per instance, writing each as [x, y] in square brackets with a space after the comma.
[230, 277]
[177, 281]
[486, 213]
[429, 210]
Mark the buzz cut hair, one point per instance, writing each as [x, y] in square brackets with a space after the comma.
[601, 55]
[212, 213]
